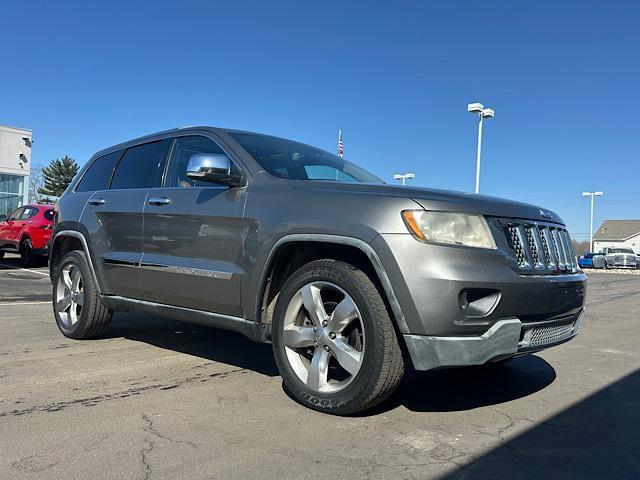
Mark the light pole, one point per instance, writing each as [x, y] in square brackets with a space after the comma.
[404, 176]
[592, 195]
[482, 113]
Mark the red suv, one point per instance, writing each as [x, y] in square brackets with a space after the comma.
[27, 231]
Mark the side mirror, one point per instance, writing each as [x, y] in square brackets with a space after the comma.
[214, 168]
[3, 218]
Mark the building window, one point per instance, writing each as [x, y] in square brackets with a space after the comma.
[11, 192]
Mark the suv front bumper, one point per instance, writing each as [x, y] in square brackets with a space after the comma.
[506, 338]
[512, 313]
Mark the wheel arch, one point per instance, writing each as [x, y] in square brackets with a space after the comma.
[292, 251]
[64, 242]
[23, 237]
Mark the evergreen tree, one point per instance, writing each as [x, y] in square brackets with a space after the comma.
[57, 176]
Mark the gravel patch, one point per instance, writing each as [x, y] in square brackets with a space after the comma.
[619, 271]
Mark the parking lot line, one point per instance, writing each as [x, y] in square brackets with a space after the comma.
[25, 269]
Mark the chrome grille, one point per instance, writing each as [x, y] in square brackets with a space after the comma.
[541, 248]
[533, 247]
[545, 240]
[550, 332]
[517, 246]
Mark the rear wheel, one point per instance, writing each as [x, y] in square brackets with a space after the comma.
[334, 342]
[77, 307]
[26, 253]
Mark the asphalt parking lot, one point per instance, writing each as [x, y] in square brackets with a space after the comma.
[157, 399]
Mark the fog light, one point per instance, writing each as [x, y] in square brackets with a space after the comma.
[478, 302]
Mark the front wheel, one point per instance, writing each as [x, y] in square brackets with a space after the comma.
[334, 342]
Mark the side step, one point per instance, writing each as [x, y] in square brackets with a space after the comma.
[258, 332]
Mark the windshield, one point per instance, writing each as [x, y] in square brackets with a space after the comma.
[297, 161]
[621, 250]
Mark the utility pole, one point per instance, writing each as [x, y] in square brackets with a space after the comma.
[593, 195]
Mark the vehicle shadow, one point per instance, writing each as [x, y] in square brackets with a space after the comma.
[205, 342]
[433, 391]
[597, 437]
[11, 261]
[458, 389]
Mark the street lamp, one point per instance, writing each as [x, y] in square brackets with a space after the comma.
[404, 177]
[592, 195]
[482, 113]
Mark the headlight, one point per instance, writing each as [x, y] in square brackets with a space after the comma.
[453, 228]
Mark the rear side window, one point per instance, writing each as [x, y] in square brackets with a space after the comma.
[98, 174]
[139, 167]
[48, 215]
[29, 212]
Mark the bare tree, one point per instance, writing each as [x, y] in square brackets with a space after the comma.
[36, 182]
[580, 247]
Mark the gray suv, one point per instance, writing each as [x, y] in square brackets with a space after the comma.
[351, 280]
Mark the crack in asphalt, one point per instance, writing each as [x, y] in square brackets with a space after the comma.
[150, 428]
[441, 453]
[94, 400]
[145, 462]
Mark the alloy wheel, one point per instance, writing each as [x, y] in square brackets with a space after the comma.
[69, 295]
[324, 337]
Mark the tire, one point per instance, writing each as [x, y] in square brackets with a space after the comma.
[26, 253]
[365, 341]
[77, 308]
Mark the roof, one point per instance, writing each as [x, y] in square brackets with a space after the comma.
[9, 128]
[617, 230]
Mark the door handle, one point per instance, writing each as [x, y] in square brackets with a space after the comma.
[97, 201]
[159, 201]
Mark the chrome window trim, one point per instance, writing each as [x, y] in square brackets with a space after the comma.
[200, 272]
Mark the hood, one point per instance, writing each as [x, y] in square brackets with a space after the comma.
[433, 199]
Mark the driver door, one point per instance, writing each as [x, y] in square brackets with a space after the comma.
[11, 227]
[193, 237]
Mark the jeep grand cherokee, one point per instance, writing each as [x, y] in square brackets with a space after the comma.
[349, 278]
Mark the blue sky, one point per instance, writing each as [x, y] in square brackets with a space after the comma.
[562, 77]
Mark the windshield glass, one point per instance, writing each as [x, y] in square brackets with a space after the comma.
[621, 250]
[297, 161]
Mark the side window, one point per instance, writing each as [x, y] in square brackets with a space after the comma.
[139, 167]
[183, 149]
[29, 212]
[49, 215]
[98, 174]
[16, 214]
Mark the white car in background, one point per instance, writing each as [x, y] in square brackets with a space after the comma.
[621, 258]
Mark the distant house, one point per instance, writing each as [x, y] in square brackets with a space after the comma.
[618, 234]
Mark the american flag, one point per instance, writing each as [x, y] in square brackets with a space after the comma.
[340, 149]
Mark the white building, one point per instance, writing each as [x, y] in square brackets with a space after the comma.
[15, 161]
[618, 234]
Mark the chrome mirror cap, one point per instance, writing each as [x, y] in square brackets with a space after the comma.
[215, 168]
